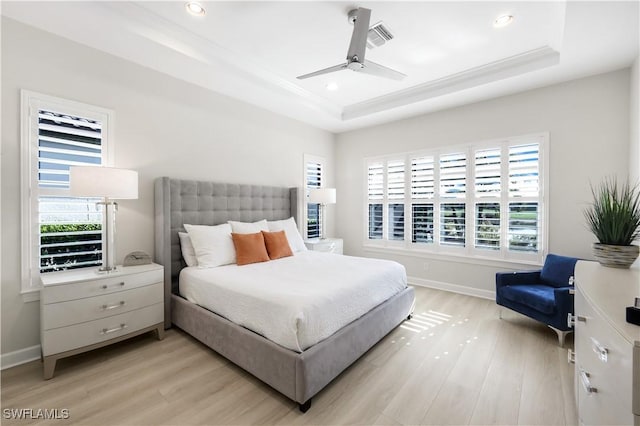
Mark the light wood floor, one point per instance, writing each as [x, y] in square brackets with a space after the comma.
[455, 362]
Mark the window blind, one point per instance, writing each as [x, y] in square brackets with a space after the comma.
[488, 173]
[70, 228]
[453, 175]
[313, 180]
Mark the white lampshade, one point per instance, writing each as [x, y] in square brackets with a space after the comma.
[322, 196]
[109, 182]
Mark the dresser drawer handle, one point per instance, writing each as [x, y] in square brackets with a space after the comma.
[113, 330]
[120, 284]
[571, 357]
[571, 319]
[600, 350]
[109, 307]
[586, 383]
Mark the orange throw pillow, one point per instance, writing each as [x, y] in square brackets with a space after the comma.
[250, 248]
[277, 244]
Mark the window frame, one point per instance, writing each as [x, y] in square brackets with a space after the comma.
[30, 103]
[310, 158]
[469, 252]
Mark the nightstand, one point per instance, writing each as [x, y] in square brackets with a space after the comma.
[81, 310]
[328, 245]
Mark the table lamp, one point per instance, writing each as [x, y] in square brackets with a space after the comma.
[110, 184]
[322, 196]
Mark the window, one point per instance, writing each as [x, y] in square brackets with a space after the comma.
[314, 178]
[483, 200]
[59, 231]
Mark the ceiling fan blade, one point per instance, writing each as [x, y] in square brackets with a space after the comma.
[358, 45]
[323, 71]
[381, 71]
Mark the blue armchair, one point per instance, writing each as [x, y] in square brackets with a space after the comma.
[542, 295]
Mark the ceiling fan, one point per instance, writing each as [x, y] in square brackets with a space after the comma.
[360, 18]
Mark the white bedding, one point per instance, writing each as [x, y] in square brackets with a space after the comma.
[295, 301]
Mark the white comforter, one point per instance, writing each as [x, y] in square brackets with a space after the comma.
[295, 301]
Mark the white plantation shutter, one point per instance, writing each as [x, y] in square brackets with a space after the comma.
[523, 170]
[422, 223]
[480, 200]
[487, 230]
[524, 194]
[422, 191]
[375, 194]
[453, 175]
[487, 173]
[70, 228]
[523, 227]
[395, 195]
[314, 176]
[452, 224]
[376, 181]
[422, 177]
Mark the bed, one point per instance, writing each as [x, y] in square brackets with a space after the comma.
[298, 374]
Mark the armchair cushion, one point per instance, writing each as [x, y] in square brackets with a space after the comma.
[557, 270]
[539, 297]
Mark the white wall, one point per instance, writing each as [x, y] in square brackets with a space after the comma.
[634, 117]
[634, 132]
[163, 127]
[588, 125]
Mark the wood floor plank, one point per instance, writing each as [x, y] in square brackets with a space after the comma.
[429, 370]
[499, 399]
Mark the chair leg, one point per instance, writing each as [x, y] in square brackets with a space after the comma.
[500, 312]
[562, 335]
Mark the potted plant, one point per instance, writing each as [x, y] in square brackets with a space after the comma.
[614, 218]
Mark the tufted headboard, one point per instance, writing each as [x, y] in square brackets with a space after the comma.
[207, 203]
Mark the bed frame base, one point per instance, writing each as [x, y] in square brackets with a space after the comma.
[305, 407]
[298, 376]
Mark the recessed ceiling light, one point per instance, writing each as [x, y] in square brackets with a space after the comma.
[503, 21]
[332, 87]
[195, 8]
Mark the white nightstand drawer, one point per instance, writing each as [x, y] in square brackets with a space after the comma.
[82, 310]
[88, 333]
[100, 285]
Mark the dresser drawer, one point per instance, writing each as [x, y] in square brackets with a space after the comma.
[603, 353]
[76, 336]
[88, 309]
[100, 286]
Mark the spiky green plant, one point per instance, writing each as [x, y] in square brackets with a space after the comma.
[614, 216]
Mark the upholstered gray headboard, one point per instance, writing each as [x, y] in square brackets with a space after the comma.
[207, 203]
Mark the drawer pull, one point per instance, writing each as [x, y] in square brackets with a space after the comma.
[120, 284]
[571, 357]
[600, 350]
[571, 319]
[113, 330]
[586, 383]
[109, 307]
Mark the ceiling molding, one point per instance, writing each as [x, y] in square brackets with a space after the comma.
[515, 65]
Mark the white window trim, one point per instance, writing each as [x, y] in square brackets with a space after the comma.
[467, 254]
[30, 283]
[310, 158]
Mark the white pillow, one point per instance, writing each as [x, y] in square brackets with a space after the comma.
[188, 252]
[248, 227]
[291, 231]
[213, 244]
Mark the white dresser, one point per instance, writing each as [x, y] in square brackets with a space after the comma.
[607, 348]
[328, 245]
[82, 310]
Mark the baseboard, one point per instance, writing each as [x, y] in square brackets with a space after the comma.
[22, 356]
[455, 288]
